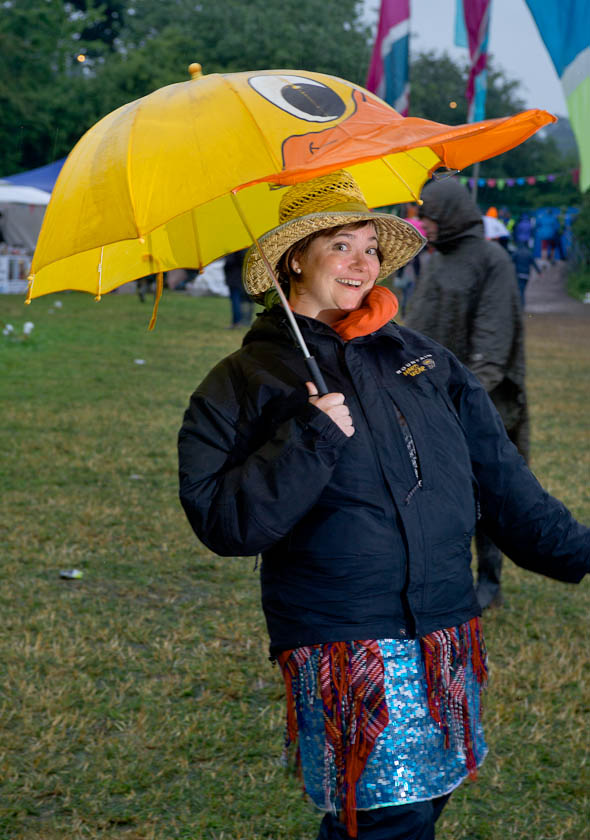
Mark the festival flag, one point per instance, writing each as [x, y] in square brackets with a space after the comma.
[389, 75]
[472, 26]
[564, 26]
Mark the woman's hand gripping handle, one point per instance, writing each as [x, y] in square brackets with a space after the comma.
[334, 406]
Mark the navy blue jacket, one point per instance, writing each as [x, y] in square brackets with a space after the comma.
[523, 259]
[353, 546]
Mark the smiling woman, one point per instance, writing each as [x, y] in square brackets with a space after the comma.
[334, 272]
[362, 503]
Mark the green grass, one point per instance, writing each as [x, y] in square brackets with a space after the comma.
[139, 702]
[578, 283]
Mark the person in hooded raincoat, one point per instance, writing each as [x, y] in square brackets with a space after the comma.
[469, 301]
[523, 230]
[362, 503]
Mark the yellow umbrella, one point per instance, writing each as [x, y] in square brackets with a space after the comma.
[193, 171]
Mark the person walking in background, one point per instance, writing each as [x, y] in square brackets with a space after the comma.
[468, 301]
[494, 229]
[241, 305]
[523, 230]
[507, 219]
[567, 216]
[524, 260]
[547, 234]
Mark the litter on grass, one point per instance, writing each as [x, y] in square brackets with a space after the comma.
[71, 574]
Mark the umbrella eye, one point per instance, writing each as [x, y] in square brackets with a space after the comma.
[300, 96]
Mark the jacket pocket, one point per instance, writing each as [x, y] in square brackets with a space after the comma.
[449, 581]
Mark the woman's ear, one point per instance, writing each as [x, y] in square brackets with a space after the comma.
[295, 266]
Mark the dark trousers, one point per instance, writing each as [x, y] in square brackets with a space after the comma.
[396, 822]
[241, 307]
[489, 570]
[523, 279]
[236, 296]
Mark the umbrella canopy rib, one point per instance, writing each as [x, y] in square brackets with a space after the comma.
[129, 168]
[263, 140]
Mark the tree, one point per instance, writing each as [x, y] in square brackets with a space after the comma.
[581, 231]
[42, 85]
[132, 47]
[103, 28]
[160, 40]
[438, 83]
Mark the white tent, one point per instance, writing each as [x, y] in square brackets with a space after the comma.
[13, 194]
[21, 214]
[22, 210]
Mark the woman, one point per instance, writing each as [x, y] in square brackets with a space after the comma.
[363, 503]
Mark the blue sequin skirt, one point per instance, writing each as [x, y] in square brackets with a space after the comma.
[409, 762]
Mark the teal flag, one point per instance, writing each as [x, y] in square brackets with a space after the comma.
[564, 26]
[460, 30]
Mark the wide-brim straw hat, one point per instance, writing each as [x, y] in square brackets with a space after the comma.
[325, 202]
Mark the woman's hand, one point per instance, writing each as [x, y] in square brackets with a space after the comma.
[334, 406]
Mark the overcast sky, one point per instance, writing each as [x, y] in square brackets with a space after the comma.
[515, 44]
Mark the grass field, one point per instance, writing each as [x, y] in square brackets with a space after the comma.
[138, 702]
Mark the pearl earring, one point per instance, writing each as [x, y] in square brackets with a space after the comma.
[298, 271]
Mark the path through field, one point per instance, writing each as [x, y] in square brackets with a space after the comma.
[546, 293]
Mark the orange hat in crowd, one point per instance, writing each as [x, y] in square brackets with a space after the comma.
[492, 212]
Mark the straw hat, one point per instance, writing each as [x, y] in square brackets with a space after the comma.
[328, 201]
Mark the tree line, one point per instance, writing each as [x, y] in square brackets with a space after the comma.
[64, 65]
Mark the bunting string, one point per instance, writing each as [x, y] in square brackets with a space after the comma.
[521, 181]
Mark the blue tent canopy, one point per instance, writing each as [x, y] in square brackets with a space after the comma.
[44, 177]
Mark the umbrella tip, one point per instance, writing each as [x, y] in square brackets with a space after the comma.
[195, 70]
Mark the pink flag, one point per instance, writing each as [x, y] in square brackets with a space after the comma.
[477, 17]
[389, 72]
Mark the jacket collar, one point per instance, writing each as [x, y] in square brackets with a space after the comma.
[272, 325]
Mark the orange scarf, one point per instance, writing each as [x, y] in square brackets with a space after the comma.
[379, 307]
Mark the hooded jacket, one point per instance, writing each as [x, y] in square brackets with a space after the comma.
[468, 299]
[353, 545]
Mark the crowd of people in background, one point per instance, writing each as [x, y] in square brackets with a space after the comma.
[534, 239]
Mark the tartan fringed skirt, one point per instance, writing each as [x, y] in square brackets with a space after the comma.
[386, 722]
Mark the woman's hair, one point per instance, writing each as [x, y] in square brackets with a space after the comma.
[286, 275]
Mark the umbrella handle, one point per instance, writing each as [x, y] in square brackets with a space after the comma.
[316, 375]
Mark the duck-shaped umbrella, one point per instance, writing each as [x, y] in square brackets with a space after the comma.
[194, 170]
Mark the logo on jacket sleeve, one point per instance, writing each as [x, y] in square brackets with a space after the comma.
[417, 366]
